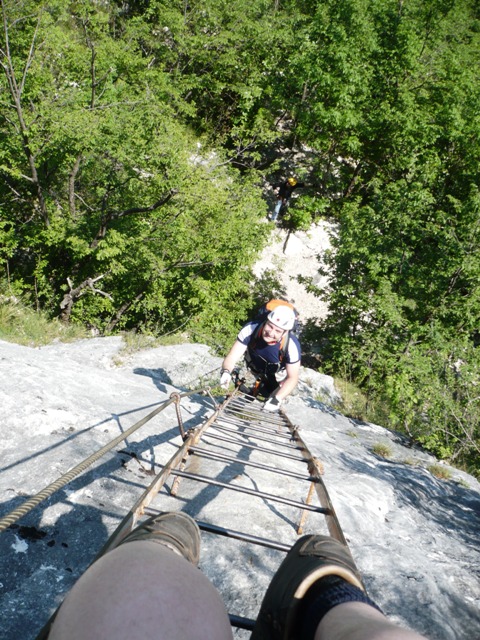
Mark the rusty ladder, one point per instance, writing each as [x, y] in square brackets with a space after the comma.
[260, 460]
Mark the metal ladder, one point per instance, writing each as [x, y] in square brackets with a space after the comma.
[251, 484]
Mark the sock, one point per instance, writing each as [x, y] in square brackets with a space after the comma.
[322, 596]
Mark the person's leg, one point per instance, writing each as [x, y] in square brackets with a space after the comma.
[359, 621]
[276, 211]
[143, 589]
[270, 385]
[317, 594]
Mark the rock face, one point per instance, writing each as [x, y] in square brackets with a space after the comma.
[414, 537]
[299, 253]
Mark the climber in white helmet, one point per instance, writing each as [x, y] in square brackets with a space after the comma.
[272, 353]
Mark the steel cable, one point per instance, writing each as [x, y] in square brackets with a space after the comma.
[45, 493]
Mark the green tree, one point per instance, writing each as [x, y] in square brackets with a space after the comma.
[405, 288]
[121, 217]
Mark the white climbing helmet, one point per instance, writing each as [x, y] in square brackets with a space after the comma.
[282, 317]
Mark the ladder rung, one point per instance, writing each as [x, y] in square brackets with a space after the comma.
[223, 456]
[287, 445]
[256, 447]
[286, 435]
[244, 537]
[240, 622]
[251, 492]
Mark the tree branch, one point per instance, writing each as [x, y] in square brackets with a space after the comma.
[74, 294]
[71, 185]
[122, 309]
[126, 212]
[152, 207]
[16, 93]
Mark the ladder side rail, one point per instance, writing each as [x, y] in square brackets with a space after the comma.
[316, 470]
[130, 520]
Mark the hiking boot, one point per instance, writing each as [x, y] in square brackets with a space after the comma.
[175, 530]
[311, 558]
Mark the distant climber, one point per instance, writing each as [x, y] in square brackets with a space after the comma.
[284, 191]
[272, 353]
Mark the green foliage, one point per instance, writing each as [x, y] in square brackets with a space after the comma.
[357, 404]
[297, 218]
[136, 223]
[353, 403]
[225, 59]
[267, 286]
[405, 293]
